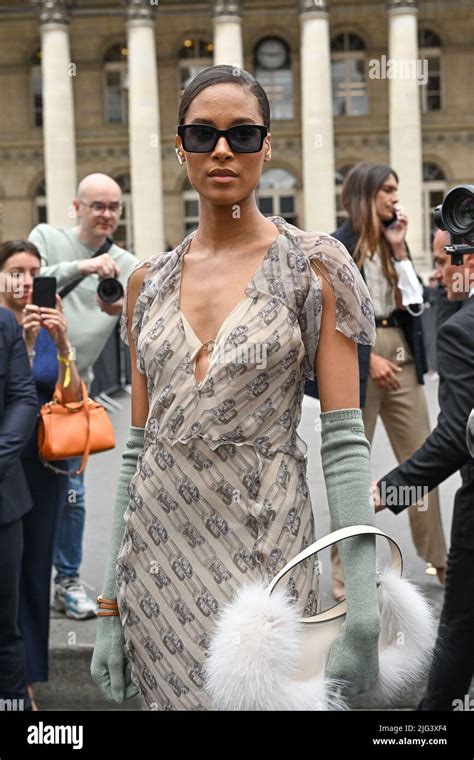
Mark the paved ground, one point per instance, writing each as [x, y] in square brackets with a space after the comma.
[71, 642]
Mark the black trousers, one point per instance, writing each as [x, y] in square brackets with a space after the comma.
[12, 653]
[453, 663]
[40, 526]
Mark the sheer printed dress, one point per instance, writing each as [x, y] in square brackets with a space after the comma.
[220, 494]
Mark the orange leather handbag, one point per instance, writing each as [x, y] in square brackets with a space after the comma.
[75, 429]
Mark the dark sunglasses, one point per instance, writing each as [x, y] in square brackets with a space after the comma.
[202, 138]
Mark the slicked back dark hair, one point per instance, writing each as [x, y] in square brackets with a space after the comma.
[224, 74]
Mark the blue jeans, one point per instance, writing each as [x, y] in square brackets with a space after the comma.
[68, 553]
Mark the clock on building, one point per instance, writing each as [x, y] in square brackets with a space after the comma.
[271, 53]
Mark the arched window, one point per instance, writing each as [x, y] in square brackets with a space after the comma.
[190, 207]
[115, 84]
[341, 213]
[272, 67]
[40, 211]
[36, 90]
[195, 55]
[190, 200]
[434, 190]
[276, 194]
[429, 44]
[349, 86]
[123, 235]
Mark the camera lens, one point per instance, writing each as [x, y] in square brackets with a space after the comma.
[110, 290]
[466, 212]
[458, 212]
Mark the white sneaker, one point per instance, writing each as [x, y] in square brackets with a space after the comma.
[71, 598]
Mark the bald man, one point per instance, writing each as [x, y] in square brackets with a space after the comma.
[66, 254]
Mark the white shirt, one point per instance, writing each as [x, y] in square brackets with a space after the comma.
[380, 289]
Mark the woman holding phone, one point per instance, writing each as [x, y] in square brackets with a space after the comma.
[391, 373]
[52, 361]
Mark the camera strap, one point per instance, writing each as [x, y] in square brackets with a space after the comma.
[106, 246]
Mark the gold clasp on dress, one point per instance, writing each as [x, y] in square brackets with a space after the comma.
[208, 345]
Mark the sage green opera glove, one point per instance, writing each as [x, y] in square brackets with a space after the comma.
[353, 657]
[110, 668]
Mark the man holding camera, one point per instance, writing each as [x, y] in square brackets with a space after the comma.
[69, 254]
[444, 452]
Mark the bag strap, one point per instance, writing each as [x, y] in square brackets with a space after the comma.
[78, 406]
[340, 609]
[106, 246]
[87, 450]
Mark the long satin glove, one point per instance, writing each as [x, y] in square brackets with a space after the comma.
[353, 657]
[110, 668]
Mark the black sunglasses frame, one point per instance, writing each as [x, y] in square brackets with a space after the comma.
[227, 133]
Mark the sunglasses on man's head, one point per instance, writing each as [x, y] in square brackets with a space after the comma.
[202, 138]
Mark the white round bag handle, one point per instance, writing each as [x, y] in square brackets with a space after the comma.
[323, 543]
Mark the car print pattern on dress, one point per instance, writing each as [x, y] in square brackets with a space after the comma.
[220, 495]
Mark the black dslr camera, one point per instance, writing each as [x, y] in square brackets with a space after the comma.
[456, 216]
[110, 289]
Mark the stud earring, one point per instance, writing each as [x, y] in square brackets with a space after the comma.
[179, 157]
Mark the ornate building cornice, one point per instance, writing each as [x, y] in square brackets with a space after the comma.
[141, 10]
[313, 6]
[30, 155]
[433, 140]
[103, 153]
[53, 11]
[228, 8]
[441, 139]
[361, 142]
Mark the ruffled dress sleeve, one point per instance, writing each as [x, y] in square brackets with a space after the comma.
[139, 312]
[354, 309]
[158, 277]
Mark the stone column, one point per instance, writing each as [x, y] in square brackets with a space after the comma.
[58, 112]
[144, 131]
[319, 202]
[405, 118]
[228, 46]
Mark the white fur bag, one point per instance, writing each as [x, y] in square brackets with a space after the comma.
[263, 656]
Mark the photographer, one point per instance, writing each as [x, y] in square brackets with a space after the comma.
[443, 453]
[69, 254]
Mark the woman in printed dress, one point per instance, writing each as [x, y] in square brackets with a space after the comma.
[223, 331]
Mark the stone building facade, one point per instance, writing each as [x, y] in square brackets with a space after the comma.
[94, 85]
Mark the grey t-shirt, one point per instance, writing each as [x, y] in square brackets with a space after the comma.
[88, 327]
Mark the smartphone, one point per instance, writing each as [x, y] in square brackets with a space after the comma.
[389, 222]
[44, 291]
